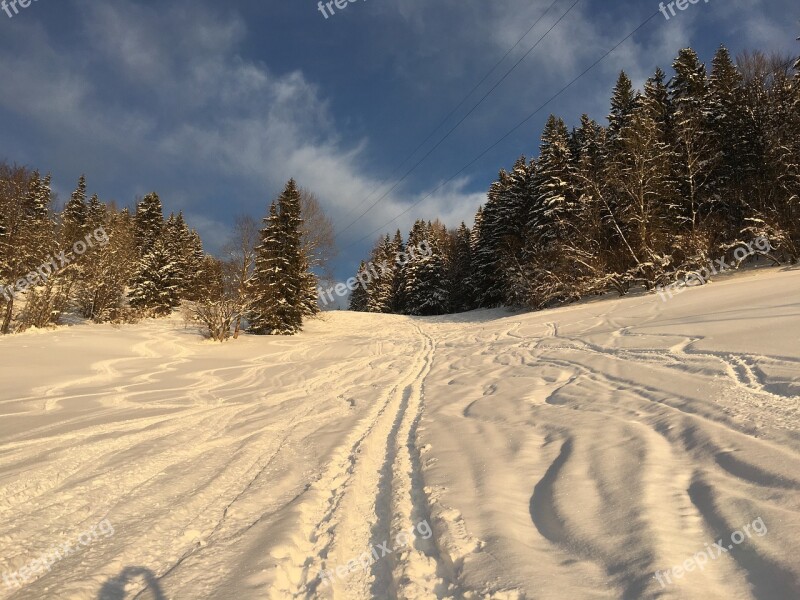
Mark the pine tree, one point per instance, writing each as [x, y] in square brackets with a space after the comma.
[155, 289]
[554, 180]
[36, 222]
[309, 296]
[426, 282]
[178, 240]
[738, 154]
[279, 277]
[149, 222]
[196, 263]
[623, 101]
[696, 147]
[499, 237]
[477, 281]
[398, 249]
[359, 298]
[554, 217]
[642, 176]
[459, 270]
[39, 241]
[73, 218]
[381, 290]
[657, 100]
[590, 249]
[96, 213]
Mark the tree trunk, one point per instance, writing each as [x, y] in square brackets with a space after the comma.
[7, 320]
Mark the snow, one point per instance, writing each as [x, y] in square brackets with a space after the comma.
[569, 453]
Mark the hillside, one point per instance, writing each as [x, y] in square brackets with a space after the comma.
[568, 453]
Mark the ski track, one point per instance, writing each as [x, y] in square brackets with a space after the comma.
[568, 453]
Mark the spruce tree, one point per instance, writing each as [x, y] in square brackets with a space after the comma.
[642, 176]
[426, 281]
[459, 270]
[149, 222]
[398, 248]
[499, 236]
[155, 289]
[177, 239]
[381, 290]
[359, 298]
[696, 147]
[477, 281]
[308, 291]
[279, 277]
[555, 181]
[196, 263]
[41, 307]
[554, 217]
[623, 101]
[74, 216]
[96, 213]
[737, 153]
[590, 250]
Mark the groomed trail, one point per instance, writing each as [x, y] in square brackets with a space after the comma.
[570, 453]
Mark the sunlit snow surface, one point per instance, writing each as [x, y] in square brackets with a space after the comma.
[565, 454]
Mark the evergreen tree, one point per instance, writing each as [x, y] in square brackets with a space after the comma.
[359, 298]
[309, 282]
[381, 290]
[555, 181]
[426, 283]
[476, 282]
[196, 263]
[642, 177]
[738, 154]
[177, 239]
[499, 236]
[657, 100]
[149, 222]
[279, 278]
[398, 248]
[74, 216]
[489, 291]
[623, 101]
[554, 217]
[41, 308]
[96, 213]
[591, 249]
[155, 289]
[697, 150]
[459, 270]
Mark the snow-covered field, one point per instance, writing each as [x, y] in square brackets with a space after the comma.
[566, 454]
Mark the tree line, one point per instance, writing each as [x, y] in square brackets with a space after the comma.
[685, 171]
[148, 265]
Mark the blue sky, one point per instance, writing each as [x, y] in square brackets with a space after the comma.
[216, 104]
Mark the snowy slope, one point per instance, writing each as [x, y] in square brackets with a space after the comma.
[570, 453]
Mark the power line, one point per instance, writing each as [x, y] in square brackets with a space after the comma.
[452, 111]
[464, 118]
[508, 133]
